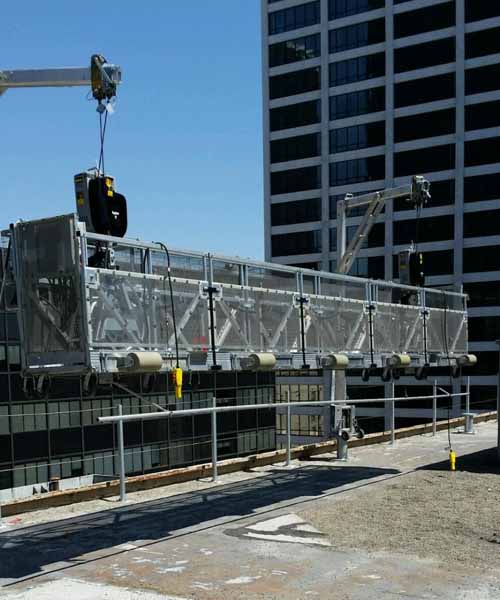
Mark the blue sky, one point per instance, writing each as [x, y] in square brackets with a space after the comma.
[185, 143]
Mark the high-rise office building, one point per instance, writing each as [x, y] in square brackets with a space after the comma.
[360, 95]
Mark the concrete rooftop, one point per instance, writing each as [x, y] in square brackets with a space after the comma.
[389, 523]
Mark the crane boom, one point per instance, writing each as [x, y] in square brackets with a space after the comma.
[417, 192]
[106, 74]
[30, 78]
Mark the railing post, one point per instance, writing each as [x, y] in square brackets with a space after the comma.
[121, 454]
[434, 408]
[215, 474]
[288, 436]
[468, 416]
[393, 414]
[393, 423]
[467, 397]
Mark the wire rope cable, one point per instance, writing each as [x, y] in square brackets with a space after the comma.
[172, 303]
[102, 136]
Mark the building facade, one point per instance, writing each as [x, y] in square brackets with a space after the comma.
[360, 95]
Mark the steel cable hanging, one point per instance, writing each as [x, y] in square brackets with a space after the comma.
[102, 135]
[172, 303]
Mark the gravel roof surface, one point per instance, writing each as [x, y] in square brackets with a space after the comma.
[453, 517]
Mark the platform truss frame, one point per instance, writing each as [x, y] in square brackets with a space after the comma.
[226, 308]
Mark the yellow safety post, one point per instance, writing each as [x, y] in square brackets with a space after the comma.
[177, 379]
[453, 460]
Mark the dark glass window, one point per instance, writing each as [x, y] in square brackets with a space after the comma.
[300, 211]
[132, 434]
[482, 116]
[482, 223]
[292, 51]
[31, 445]
[430, 229]
[438, 52]
[357, 69]
[295, 115]
[481, 259]
[435, 263]
[295, 180]
[482, 187]
[358, 170]
[357, 103]
[439, 262]
[442, 194]
[295, 148]
[435, 158]
[64, 387]
[98, 437]
[297, 82]
[66, 441]
[333, 239]
[356, 36]
[487, 364]
[482, 79]
[482, 152]
[476, 10]
[430, 18]
[6, 454]
[483, 396]
[12, 326]
[368, 266]
[357, 136]
[427, 89]
[155, 431]
[483, 329]
[343, 8]
[424, 125]
[481, 43]
[295, 17]
[484, 293]
[289, 244]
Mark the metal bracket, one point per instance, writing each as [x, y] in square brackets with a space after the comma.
[92, 279]
[299, 300]
[206, 288]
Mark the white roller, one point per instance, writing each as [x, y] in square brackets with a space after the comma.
[337, 362]
[259, 361]
[467, 360]
[144, 362]
[399, 360]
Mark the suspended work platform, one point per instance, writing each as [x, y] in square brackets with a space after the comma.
[94, 303]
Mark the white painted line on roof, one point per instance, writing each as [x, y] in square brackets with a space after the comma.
[281, 537]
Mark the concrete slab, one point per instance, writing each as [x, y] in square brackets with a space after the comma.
[196, 544]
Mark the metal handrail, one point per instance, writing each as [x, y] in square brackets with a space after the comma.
[242, 407]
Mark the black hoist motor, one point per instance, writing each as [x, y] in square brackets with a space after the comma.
[99, 205]
[411, 268]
